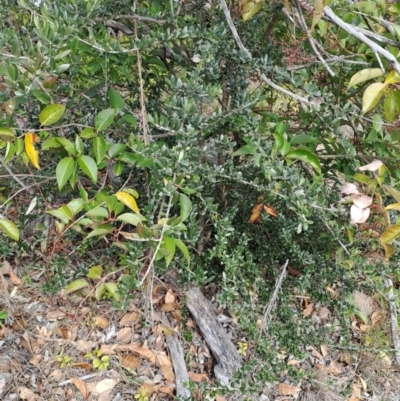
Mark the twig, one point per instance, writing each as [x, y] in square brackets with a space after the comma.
[362, 37]
[394, 325]
[14, 177]
[271, 304]
[311, 40]
[65, 382]
[287, 92]
[160, 240]
[141, 89]
[136, 17]
[233, 28]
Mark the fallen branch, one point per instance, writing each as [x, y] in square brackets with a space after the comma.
[394, 325]
[226, 354]
[178, 361]
[361, 36]
[272, 302]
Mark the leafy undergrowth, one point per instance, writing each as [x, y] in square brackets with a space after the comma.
[71, 346]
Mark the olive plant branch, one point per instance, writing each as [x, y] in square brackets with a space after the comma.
[160, 241]
[233, 28]
[311, 40]
[362, 37]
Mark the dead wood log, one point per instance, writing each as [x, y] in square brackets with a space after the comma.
[225, 353]
[178, 361]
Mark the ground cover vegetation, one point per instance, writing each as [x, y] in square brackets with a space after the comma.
[247, 148]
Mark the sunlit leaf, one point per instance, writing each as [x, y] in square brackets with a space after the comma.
[10, 229]
[76, 285]
[389, 251]
[362, 201]
[128, 200]
[112, 289]
[131, 218]
[372, 96]
[51, 114]
[392, 78]
[249, 149]
[364, 75]
[390, 234]
[318, 12]
[359, 215]
[6, 134]
[349, 189]
[250, 8]
[100, 232]
[98, 212]
[29, 139]
[393, 206]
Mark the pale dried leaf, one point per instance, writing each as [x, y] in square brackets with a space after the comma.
[169, 296]
[362, 201]
[308, 310]
[81, 386]
[197, 377]
[105, 385]
[163, 359]
[84, 346]
[56, 375]
[358, 215]
[35, 360]
[376, 317]
[26, 394]
[167, 390]
[287, 389]
[106, 396]
[349, 189]
[324, 350]
[124, 335]
[129, 361]
[293, 362]
[373, 166]
[8, 271]
[168, 373]
[101, 321]
[129, 319]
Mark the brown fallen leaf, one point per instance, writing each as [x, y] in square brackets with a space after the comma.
[197, 377]
[324, 350]
[170, 297]
[376, 317]
[166, 390]
[309, 310]
[168, 373]
[106, 396]
[26, 394]
[128, 361]
[35, 359]
[129, 319]
[7, 270]
[255, 216]
[101, 321]
[287, 389]
[144, 352]
[270, 210]
[105, 385]
[83, 365]
[170, 307]
[124, 335]
[81, 386]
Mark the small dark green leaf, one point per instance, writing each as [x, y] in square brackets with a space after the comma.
[186, 206]
[116, 100]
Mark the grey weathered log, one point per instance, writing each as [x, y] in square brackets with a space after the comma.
[225, 353]
[178, 362]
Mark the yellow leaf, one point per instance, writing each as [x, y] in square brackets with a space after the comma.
[372, 95]
[32, 153]
[318, 12]
[389, 251]
[128, 200]
[250, 8]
